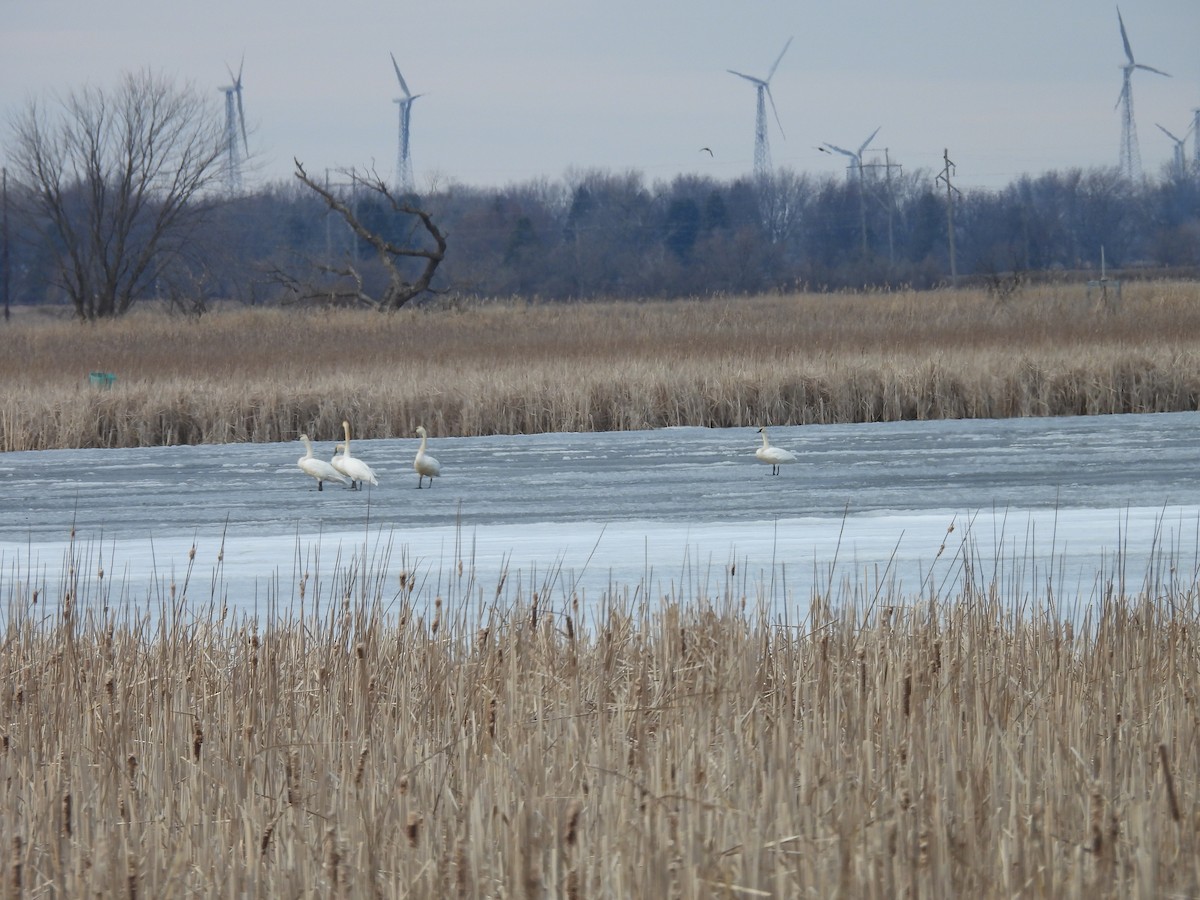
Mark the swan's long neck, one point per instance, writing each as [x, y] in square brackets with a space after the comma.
[346, 448]
[421, 449]
[766, 443]
[307, 444]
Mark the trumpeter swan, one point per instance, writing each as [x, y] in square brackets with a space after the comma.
[425, 464]
[354, 469]
[318, 468]
[773, 456]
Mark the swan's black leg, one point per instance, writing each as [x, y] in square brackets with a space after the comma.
[320, 485]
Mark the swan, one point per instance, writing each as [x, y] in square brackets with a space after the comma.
[425, 464]
[354, 469]
[318, 468]
[773, 456]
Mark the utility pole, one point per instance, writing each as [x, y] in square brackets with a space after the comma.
[950, 192]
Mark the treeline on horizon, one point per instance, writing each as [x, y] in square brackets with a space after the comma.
[598, 234]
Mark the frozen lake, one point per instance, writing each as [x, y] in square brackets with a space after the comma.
[671, 511]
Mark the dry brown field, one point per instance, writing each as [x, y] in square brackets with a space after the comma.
[513, 367]
[380, 737]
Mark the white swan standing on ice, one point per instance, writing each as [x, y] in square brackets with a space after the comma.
[773, 456]
[318, 468]
[425, 464]
[354, 469]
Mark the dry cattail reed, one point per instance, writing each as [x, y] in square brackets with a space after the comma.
[1172, 800]
[18, 864]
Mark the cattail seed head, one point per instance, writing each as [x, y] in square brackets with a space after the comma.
[412, 829]
[571, 829]
[360, 768]
[333, 859]
[292, 771]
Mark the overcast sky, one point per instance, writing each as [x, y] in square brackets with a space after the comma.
[539, 88]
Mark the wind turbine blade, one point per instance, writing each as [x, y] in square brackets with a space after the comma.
[864, 144]
[771, 74]
[232, 78]
[1151, 69]
[1168, 134]
[399, 77]
[842, 150]
[749, 78]
[241, 65]
[767, 88]
[1125, 37]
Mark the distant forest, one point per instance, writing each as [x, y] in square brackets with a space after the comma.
[599, 234]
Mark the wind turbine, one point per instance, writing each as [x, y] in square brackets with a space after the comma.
[1130, 163]
[404, 174]
[1180, 161]
[856, 162]
[762, 150]
[235, 121]
[856, 156]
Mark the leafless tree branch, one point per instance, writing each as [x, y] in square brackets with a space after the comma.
[399, 290]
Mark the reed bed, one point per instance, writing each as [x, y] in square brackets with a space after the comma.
[366, 739]
[517, 367]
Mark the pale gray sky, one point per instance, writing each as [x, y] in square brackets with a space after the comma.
[535, 88]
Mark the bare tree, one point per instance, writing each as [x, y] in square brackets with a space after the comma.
[118, 182]
[399, 289]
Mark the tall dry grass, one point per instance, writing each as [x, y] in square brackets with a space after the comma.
[382, 742]
[264, 375]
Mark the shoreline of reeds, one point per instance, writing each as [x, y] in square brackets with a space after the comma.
[964, 741]
[513, 367]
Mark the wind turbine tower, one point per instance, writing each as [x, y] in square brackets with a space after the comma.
[235, 124]
[404, 173]
[1130, 164]
[1196, 139]
[762, 87]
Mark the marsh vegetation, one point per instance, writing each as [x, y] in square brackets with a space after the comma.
[367, 739]
[514, 367]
